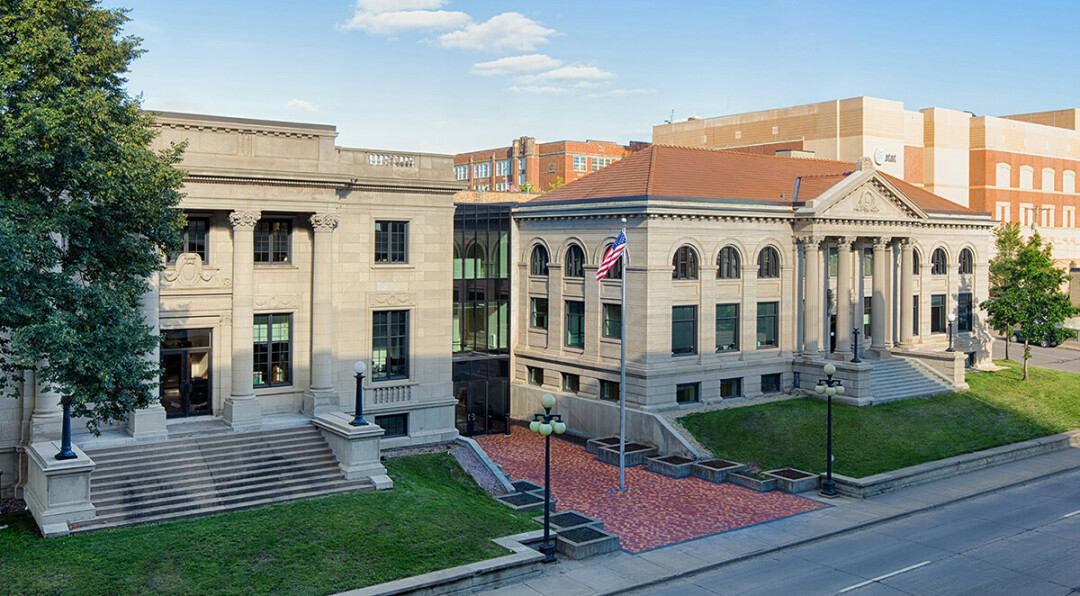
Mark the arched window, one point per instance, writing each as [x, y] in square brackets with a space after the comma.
[616, 270]
[575, 261]
[768, 263]
[684, 264]
[728, 263]
[939, 262]
[539, 262]
[475, 261]
[1003, 176]
[967, 262]
[915, 261]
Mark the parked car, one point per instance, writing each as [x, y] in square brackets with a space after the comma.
[1049, 340]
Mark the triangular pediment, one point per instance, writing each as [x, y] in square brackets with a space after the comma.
[864, 195]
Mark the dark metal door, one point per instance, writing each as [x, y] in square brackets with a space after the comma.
[185, 379]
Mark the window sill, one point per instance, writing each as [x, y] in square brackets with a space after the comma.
[728, 351]
[683, 354]
[275, 390]
[388, 382]
[277, 266]
[393, 266]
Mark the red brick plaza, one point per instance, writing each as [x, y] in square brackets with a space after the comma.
[654, 511]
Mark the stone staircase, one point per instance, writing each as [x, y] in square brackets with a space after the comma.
[899, 378]
[188, 477]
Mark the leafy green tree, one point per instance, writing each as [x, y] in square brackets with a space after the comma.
[1031, 295]
[559, 183]
[85, 209]
[1002, 306]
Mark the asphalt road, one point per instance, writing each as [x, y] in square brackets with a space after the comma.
[1020, 541]
[1059, 358]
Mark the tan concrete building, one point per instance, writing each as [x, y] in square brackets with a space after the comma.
[1020, 168]
[745, 274]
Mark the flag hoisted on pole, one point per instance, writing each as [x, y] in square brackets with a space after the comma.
[614, 255]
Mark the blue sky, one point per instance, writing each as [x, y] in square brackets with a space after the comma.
[454, 75]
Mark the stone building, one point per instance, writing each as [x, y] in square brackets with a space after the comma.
[745, 272]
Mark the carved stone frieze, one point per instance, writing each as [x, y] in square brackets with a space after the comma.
[379, 299]
[278, 301]
[867, 203]
[244, 220]
[189, 272]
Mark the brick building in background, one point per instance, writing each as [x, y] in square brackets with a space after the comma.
[1019, 168]
[538, 164]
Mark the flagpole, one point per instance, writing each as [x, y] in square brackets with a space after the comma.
[622, 371]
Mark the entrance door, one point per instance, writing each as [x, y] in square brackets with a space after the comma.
[185, 380]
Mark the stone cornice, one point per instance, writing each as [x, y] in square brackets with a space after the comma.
[321, 184]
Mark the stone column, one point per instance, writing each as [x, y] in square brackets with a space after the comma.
[843, 299]
[48, 416]
[322, 397]
[242, 408]
[149, 422]
[907, 292]
[877, 310]
[812, 294]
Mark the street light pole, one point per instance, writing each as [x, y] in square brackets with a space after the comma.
[952, 319]
[855, 332]
[65, 436]
[359, 368]
[829, 387]
[545, 424]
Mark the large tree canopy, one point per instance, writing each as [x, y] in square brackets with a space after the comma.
[85, 208]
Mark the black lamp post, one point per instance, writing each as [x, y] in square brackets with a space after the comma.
[545, 424]
[65, 436]
[359, 368]
[952, 319]
[855, 332]
[830, 387]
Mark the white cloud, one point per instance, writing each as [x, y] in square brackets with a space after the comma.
[300, 104]
[515, 64]
[537, 89]
[387, 17]
[574, 73]
[506, 31]
[622, 92]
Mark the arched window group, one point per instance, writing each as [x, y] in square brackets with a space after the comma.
[768, 263]
[967, 262]
[575, 262]
[727, 263]
[539, 262]
[939, 262]
[684, 265]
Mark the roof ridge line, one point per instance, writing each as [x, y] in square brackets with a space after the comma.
[734, 152]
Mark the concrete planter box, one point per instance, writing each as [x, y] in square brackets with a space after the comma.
[569, 520]
[715, 470]
[790, 480]
[524, 486]
[635, 454]
[584, 542]
[524, 502]
[672, 466]
[762, 486]
[594, 446]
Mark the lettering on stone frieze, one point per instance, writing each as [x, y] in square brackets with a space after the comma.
[867, 203]
[188, 272]
[324, 222]
[278, 301]
[391, 299]
[244, 220]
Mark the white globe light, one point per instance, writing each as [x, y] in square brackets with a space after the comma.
[952, 317]
[545, 429]
[534, 426]
[359, 367]
[560, 427]
[548, 401]
[830, 369]
[839, 389]
[819, 388]
[830, 390]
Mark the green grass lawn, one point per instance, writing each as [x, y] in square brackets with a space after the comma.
[999, 409]
[435, 517]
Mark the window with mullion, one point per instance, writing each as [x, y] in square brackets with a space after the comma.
[390, 345]
[937, 313]
[391, 242]
[767, 327]
[684, 329]
[272, 350]
[612, 321]
[575, 324]
[539, 313]
[272, 241]
[727, 327]
[963, 312]
[194, 238]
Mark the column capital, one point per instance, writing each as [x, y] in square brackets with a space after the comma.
[809, 240]
[324, 222]
[906, 243]
[881, 242]
[844, 242]
[244, 220]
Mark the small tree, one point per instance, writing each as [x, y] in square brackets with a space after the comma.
[85, 209]
[559, 183]
[1033, 296]
[1002, 306]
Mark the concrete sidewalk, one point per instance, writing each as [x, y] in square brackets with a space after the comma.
[620, 572]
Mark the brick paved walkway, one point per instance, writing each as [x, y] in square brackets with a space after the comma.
[654, 511]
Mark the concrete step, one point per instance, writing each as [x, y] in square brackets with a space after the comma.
[193, 447]
[254, 456]
[897, 378]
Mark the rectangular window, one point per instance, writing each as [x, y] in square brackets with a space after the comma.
[867, 262]
[867, 303]
[390, 345]
[1068, 216]
[521, 164]
[575, 324]
[393, 425]
[581, 163]
[609, 390]
[482, 170]
[502, 168]
[571, 383]
[599, 163]
[194, 238]
[613, 321]
[538, 309]
[687, 393]
[272, 350]
[937, 313]
[1003, 211]
[461, 172]
[521, 179]
[272, 240]
[770, 383]
[391, 242]
[500, 186]
[727, 327]
[915, 316]
[730, 388]
[963, 312]
[684, 330]
[536, 375]
[767, 324]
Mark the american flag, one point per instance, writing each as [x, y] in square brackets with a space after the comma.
[612, 256]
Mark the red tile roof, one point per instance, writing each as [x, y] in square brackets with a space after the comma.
[662, 171]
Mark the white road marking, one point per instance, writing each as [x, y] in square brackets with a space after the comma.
[881, 577]
[1077, 512]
